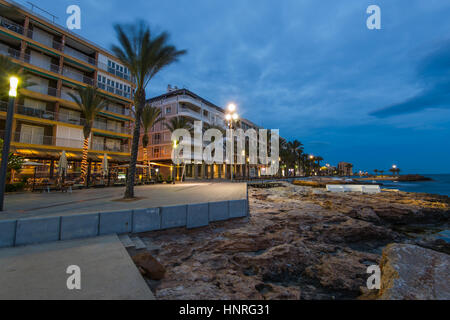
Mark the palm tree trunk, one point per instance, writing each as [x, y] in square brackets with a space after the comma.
[84, 160]
[129, 192]
[146, 162]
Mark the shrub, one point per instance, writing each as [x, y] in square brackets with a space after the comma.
[15, 187]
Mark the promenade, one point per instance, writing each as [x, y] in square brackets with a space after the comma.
[30, 205]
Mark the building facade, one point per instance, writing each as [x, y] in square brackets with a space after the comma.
[184, 103]
[345, 169]
[47, 121]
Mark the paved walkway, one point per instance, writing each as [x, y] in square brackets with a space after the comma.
[39, 272]
[28, 205]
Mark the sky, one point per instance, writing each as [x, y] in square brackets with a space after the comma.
[311, 69]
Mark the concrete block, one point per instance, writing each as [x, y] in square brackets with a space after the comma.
[173, 217]
[79, 226]
[7, 233]
[238, 208]
[37, 230]
[145, 220]
[118, 222]
[219, 211]
[197, 215]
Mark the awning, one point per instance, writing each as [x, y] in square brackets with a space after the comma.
[44, 154]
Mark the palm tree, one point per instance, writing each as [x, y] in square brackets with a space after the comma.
[178, 123]
[150, 117]
[144, 55]
[175, 124]
[90, 103]
[376, 172]
[8, 69]
[319, 159]
[295, 150]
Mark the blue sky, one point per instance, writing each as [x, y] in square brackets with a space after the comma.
[309, 68]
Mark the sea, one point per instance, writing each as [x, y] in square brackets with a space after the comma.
[440, 184]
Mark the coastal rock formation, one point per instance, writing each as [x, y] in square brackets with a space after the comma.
[298, 243]
[414, 273]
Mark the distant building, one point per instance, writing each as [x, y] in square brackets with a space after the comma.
[184, 103]
[345, 169]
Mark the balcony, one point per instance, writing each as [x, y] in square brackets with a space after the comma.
[104, 126]
[111, 148]
[41, 140]
[80, 56]
[8, 24]
[78, 76]
[117, 73]
[44, 90]
[12, 53]
[113, 90]
[118, 110]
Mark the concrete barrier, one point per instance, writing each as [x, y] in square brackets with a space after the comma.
[115, 222]
[353, 188]
[219, 211]
[173, 217]
[335, 188]
[238, 208]
[7, 233]
[371, 189]
[47, 229]
[145, 220]
[79, 226]
[37, 230]
[197, 215]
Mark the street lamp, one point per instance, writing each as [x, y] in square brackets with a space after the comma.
[232, 117]
[175, 174]
[13, 85]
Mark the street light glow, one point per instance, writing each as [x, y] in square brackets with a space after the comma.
[13, 84]
[228, 117]
[235, 117]
[232, 107]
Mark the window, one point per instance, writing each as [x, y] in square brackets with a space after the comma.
[32, 134]
[168, 110]
[156, 152]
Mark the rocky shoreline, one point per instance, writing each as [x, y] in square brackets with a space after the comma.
[304, 243]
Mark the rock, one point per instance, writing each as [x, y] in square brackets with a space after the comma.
[148, 265]
[297, 243]
[410, 272]
[345, 271]
[354, 231]
[276, 292]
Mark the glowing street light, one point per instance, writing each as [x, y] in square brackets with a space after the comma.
[231, 116]
[13, 85]
[232, 108]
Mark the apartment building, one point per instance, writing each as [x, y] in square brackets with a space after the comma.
[184, 103]
[47, 120]
[345, 169]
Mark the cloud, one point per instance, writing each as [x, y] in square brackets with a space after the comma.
[433, 73]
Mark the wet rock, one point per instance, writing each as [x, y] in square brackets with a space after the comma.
[414, 273]
[149, 266]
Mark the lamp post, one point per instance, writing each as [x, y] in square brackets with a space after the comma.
[13, 84]
[231, 118]
[175, 174]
